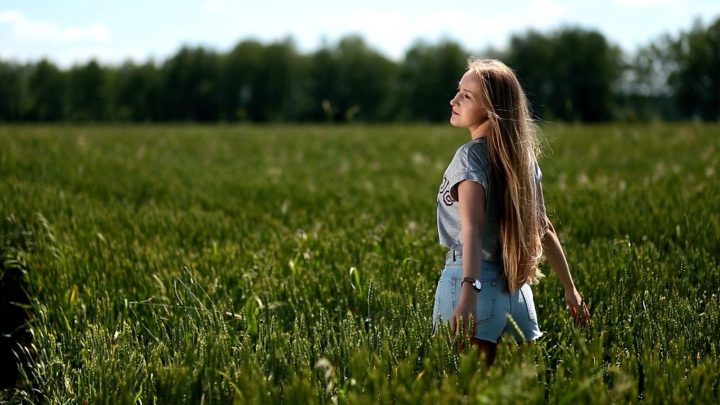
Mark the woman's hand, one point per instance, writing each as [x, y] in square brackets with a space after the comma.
[465, 312]
[577, 307]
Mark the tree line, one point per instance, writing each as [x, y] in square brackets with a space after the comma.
[569, 74]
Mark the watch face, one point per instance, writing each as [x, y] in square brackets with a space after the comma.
[475, 283]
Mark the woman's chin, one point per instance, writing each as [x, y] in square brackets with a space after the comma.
[457, 125]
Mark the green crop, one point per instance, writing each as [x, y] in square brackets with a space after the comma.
[297, 264]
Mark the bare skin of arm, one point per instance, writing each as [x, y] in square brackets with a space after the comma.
[556, 259]
[471, 196]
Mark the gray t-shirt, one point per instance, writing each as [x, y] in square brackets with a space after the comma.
[471, 163]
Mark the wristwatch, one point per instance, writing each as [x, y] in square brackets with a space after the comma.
[475, 283]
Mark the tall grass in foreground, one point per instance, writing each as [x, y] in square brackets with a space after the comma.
[262, 264]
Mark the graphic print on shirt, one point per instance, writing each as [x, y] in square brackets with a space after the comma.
[445, 192]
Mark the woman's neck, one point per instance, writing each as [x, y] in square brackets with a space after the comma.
[480, 130]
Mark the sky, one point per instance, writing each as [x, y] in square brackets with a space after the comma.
[112, 31]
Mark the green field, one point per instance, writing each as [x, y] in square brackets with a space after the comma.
[257, 264]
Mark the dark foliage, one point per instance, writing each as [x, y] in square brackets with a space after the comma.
[14, 302]
[570, 74]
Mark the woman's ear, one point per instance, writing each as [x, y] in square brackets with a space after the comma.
[485, 118]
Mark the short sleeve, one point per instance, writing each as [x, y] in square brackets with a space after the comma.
[476, 176]
[472, 167]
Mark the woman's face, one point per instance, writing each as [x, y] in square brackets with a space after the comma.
[468, 110]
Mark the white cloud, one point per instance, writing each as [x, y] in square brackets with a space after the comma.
[29, 30]
[66, 57]
[223, 6]
[647, 3]
[391, 28]
[104, 54]
[547, 9]
[395, 31]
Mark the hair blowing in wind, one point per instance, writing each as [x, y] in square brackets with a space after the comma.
[512, 149]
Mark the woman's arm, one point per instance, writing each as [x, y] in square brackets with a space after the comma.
[471, 196]
[556, 259]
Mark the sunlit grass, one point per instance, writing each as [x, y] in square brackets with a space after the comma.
[182, 264]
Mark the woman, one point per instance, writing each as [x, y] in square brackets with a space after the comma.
[491, 216]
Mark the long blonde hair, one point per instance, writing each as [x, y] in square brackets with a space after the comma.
[513, 149]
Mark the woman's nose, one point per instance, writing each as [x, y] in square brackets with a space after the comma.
[452, 100]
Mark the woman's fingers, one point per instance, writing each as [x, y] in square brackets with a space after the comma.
[462, 324]
[582, 316]
[463, 318]
[571, 309]
[577, 308]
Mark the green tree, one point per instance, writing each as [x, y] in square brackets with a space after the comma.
[695, 77]
[531, 56]
[643, 92]
[274, 85]
[12, 94]
[239, 70]
[46, 92]
[190, 88]
[260, 83]
[350, 81]
[427, 80]
[87, 93]
[569, 74]
[323, 78]
[137, 92]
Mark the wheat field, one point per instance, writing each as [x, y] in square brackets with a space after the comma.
[297, 264]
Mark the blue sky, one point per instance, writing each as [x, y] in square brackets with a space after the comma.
[74, 31]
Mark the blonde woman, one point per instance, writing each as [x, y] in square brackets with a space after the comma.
[491, 216]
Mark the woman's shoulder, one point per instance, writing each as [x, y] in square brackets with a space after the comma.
[478, 145]
[472, 154]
